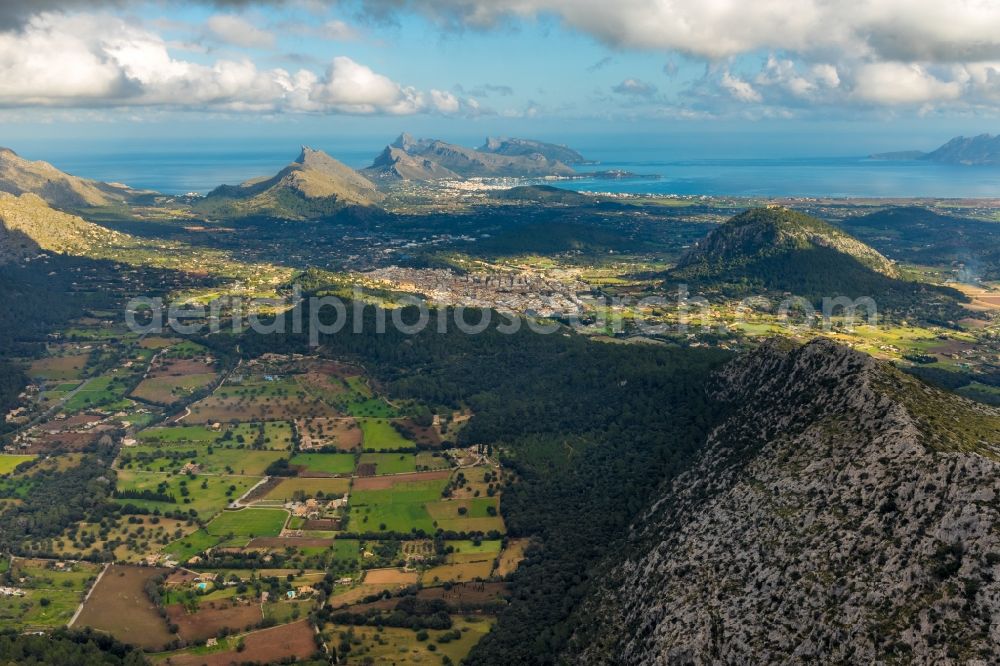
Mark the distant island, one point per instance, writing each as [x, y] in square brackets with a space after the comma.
[424, 160]
[412, 159]
[982, 150]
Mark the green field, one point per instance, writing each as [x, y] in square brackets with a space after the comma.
[310, 487]
[185, 349]
[476, 518]
[390, 463]
[99, 392]
[379, 435]
[61, 590]
[213, 460]
[428, 461]
[8, 463]
[187, 547]
[468, 547]
[205, 501]
[248, 523]
[369, 408]
[279, 388]
[278, 435]
[328, 463]
[399, 508]
[188, 434]
[346, 550]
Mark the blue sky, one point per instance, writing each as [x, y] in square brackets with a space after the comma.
[768, 78]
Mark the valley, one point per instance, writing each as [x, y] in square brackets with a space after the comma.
[228, 485]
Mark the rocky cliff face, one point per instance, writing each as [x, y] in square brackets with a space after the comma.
[842, 513]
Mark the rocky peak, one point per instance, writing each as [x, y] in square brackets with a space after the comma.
[830, 517]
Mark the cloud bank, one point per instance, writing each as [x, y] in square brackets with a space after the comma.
[889, 53]
[64, 60]
[918, 54]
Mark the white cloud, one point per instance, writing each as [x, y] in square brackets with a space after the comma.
[826, 53]
[339, 31]
[955, 30]
[445, 101]
[354, 87]
[635, 88]
[238, 31]
[893, 83]
[739, 89]
[833, 52]
[98, 60]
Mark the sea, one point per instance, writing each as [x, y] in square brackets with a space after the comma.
[180, 167]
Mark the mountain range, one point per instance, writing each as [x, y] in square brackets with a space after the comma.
[982, 150]
[314, 185]
[412, 159]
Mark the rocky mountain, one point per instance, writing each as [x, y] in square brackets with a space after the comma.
[842, 512]
[21, 176]
[314, 185]
[525, 147]
[29, 226]
[407, 158]
[394, 163]
[982, 150]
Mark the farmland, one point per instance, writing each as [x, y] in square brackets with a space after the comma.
[320, 487]
[400, 508]
[324, 463]
[246, 524]
[389, 463]
[402, 646]
[50, 592]
[264, 481]
[9, 462]
[204, 495]
[119, 605]
[381, 435]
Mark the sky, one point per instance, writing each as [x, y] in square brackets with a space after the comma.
[769, 77]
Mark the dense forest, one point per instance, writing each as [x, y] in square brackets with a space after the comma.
[34, 302]
[590, 429]
[66, 648]
[12, 382]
